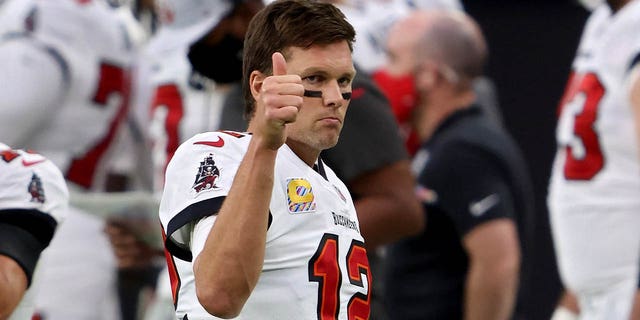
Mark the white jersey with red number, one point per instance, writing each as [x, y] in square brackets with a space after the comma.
[180, 103]
[65, 81]
[597, 163]
[30, 181]
[593, 194]
[315, 264]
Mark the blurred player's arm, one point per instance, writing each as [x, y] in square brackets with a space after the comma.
[20, 250]
[32, 83]
[13, 284]
[634, 80]
[386, 200]
[634, 85]
[494, 260]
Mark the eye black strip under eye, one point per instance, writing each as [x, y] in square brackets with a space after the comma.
[318, 94]
[313, 94]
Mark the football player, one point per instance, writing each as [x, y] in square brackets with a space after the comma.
[593, 201]
[33, 202]
[65, 82]
[276, 235]
[183, 76]
[187, 66]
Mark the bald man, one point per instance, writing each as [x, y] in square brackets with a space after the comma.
[472, 178]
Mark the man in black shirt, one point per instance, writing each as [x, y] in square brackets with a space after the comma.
[472, 178]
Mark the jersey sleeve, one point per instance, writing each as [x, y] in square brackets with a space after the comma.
[470, 185]
[197, 180]
[30, 182]
[370, 137]
[27, 67]
[33, 201]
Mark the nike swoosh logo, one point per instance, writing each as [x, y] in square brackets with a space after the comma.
[216, 144]
[478, 208]
[31, 163]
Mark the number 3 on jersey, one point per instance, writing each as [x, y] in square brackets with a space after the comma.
[324, 269]
[576, 131]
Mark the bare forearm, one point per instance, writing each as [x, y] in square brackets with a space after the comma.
[490, 293]
[383, 219]
[386, 206]
[229, 266]
[13, 283]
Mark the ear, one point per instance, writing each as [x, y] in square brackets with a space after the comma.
[255, 83]
[428, 76]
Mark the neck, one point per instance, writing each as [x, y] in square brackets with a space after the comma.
[435, 108]
[304, 152]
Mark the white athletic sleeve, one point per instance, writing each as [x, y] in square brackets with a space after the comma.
[30, 181]
[198, 179]
[200, 234]
[32, 83]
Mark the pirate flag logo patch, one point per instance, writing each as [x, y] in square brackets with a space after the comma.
[208, 174]
[35, 189]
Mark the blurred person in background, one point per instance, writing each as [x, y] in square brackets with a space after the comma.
[66, 82]
[33, 203]
[372, 20]
[592, 198]
[472, 181]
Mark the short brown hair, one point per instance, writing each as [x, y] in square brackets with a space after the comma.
[289, 23]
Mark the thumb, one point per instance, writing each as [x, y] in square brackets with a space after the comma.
[279, 64]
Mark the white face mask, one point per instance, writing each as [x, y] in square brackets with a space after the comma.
[591, 4]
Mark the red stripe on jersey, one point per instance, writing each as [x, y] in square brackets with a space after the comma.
[174, 277]
[113, 80]
[168, 96]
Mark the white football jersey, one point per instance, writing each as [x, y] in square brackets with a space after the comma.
[30, 181]
[179, 104]
[65, 79]
[78, 55]
[597, 162]
[315, 263]
[593, 194]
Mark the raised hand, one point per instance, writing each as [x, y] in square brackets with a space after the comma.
[278, 103]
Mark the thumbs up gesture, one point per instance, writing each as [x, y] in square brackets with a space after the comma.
[277, 104]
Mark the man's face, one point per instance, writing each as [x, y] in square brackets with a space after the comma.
[327, 69]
